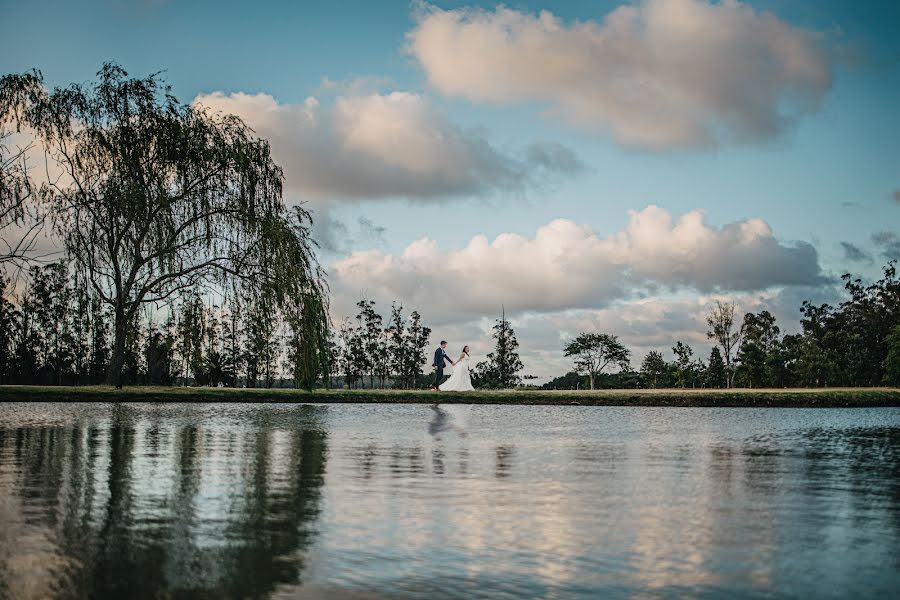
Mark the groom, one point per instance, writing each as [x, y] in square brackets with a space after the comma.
[440, 355]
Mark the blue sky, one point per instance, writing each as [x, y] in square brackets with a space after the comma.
[829, 177]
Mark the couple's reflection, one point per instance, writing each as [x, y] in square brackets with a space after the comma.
[443, 421]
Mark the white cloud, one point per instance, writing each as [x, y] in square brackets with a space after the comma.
[386, 145]
[568, 266]
[657, 74]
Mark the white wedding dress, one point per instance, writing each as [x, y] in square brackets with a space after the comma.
[460, 380]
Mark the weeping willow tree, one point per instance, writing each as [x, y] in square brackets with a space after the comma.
[20, 217]
[158, 197]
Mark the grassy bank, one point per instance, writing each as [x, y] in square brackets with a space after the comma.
[828, 397]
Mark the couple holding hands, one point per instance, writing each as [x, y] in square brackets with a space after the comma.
[460, 380]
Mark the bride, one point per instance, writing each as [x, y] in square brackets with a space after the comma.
[460, 380]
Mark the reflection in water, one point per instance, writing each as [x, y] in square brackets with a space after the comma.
[161, 501]
[504, 456]
[139, 507]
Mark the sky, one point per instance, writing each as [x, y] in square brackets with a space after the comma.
[590, 166]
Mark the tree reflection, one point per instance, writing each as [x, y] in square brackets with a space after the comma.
[149, 510]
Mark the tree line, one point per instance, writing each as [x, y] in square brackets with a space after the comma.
[56, 332]
[855, 343]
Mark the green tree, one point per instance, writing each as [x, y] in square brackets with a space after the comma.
[231, 338]
[9, 322]
[158, 356]
[815, 368]
[369, 339]
[758, 349]
[80, 327]
[162, 196]
[593, 352]
[99, 344]
[190, 338]
[715, 374]
[721, 329]
[569, 381]
[892, 360]
[261, 348]
[28, 344]
[654, 369]
[501, 367]
[683, 362]
[397, 348]
[415, 342]
[309, 358]
[349, 344]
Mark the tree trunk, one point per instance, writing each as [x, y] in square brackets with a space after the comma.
[117, 362]
[591, 377]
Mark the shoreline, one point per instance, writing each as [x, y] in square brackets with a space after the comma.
[781, 398]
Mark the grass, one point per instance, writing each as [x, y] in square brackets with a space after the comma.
[805, 398]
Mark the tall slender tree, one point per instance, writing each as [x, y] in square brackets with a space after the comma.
[416, 342]
[715, 371]
[683, 362]
[502, 366]
[721, 329]
[370, 338]
[397, 348]
[9, 318]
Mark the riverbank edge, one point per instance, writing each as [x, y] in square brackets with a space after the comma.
[782, 398]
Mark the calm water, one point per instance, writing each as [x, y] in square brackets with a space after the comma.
[366, 501]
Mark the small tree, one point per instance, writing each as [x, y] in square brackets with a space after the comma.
[349, 365]
[721, 329]
[501, 369]
[416, 342]
[892, 362]
[683, 354]
[715, 371]
[9, 318]
[370, 336]
[757, 349]
[654, 369]
[594, 352]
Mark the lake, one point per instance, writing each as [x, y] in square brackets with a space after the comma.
[404, 501]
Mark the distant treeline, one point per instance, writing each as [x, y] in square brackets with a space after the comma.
[853, 344]
[55, 332]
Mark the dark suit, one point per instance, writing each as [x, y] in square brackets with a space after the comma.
[439, 357]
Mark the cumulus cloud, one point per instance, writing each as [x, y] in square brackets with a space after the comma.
[567, 266]
[657, 74]
[387, 145]
[854, 253]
